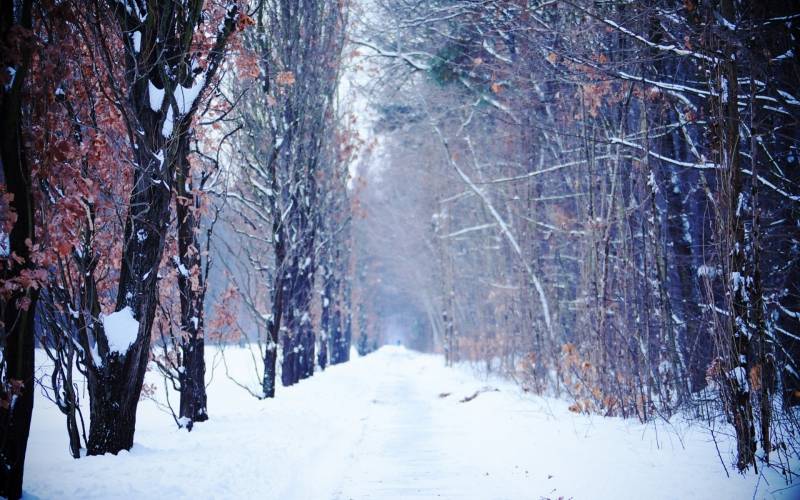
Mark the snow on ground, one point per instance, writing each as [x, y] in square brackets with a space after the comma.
[376, 427]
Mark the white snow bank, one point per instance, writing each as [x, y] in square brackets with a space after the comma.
[121, 330]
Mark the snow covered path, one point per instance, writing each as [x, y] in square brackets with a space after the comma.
[398, 455]
[378, 427]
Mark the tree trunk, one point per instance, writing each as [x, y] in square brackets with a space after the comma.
[271, 352]
[115, 385]
[322, 356]
[289, 362]
[114, 390]
[15, 420]
[345, 319]
[329, 329]
[191, 285]
[342, 325]
[16, 392]
[193, 387]
[298, 337]
[278, 292]
[739, 362]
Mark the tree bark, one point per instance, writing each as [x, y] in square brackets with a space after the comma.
[741, 406]
[16, 393]
[191, 285]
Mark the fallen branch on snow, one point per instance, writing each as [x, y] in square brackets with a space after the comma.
[475, 394]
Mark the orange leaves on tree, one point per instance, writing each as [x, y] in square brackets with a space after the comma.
[285, 78]
[244, 22]
[8, 215]
[247, 65]
[222, 325]
[595, 95]
[62, 151]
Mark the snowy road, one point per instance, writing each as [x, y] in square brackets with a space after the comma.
[398, 455]
[379, 428]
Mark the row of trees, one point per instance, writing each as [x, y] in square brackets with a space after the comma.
[612, 194]
[130, 130]
[293, 184]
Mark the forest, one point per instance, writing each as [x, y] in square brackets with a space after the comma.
[593, 205]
